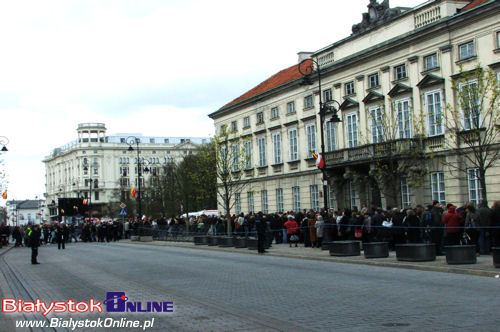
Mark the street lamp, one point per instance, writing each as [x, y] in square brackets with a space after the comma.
[3, 142]
[130, 141]
[307, 68]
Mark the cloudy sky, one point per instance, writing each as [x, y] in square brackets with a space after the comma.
[156, 67]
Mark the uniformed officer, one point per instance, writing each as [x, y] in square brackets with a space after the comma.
[34, 235]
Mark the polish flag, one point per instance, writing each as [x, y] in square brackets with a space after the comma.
[319, 160]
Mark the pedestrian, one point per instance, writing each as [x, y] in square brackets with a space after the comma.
[484, 224]
[60, 237]
[495, 224]
[453, 223]
[260, 225]
[311, 223]
[34, 235]
[292, 231]
[319, 225]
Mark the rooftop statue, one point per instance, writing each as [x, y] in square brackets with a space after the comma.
[377, 14]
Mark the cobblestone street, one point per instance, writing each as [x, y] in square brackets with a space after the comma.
[236, 291]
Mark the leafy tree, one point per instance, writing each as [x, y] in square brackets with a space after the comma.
[473, 125]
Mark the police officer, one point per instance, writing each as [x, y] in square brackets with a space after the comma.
[34, 235]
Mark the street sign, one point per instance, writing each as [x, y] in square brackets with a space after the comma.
[123, 205]
[123, 211]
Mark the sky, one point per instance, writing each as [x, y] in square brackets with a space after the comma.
[155, 67]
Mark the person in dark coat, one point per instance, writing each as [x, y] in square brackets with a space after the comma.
[260, 226]
[34, 235]
[437, 226]
[60, 237]
[495, 224]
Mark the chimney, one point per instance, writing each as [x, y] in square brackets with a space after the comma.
[304, 55]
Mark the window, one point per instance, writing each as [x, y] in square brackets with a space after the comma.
[373, 81]
[296, 198]
[277, 148]
[498, 39]
[474, 184]
[251, 206]
[237, 202]
[234, 126]
[352, 194]
[294, 144]
[434, 112]
[404, 118]
[124, 171]
[290, 107]
[166, 140]
[400, 72]
[151, 140]
[279, 199]
[261, 143]
[308, 102]
[260, 118]
[314, 197]
[236, 157]
[311, 138]
[349, 88]
[248, 154]
[405, 194]
[327, 95]
[437, 187]
[96, 195]
[430, 61]
[124, 182]
[377, 127]
[331, 136]
[246, 122]
[466, 50]
[223, 130]
[331, 197]
[95, 171]
[352, 130]
[274, 113]
[122, 140]
[469, 100]
[263, 198]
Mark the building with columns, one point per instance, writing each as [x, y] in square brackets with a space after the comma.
[96, 166]
[397, 65]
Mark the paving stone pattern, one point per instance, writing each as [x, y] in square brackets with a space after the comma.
[231, 291]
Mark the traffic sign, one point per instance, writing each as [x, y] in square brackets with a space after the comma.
[123, 211]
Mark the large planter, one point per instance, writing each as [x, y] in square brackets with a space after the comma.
[495, 252]
[376, 249]
[146, 238]
[225, 241]
[240, 242]
[461, 254]
[325, 245]
[134, 238]
[212, 241]
[345, 248]
[252, 244]
[416, 252]
[200, 239]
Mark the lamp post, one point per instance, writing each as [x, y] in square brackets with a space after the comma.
[307, 68]
[3, 142]
[130, 141]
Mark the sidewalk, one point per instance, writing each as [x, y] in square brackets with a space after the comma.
[484, 266]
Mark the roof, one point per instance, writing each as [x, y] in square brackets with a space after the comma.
[473, 4]
[28, 204]
[284, 76]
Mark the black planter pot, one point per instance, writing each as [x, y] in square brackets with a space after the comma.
[200, 240]
[376, 249]
[345, 248]
[416, 252]
[252, 244]
[240, 242]
[212, 241]
[225, 242]
[461, 254]
[325, 245]
[495, 252]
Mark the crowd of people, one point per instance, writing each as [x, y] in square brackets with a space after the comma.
[441, 225]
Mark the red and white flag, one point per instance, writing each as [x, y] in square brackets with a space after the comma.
[319, 160]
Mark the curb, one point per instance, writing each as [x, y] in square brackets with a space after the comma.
[370, 262]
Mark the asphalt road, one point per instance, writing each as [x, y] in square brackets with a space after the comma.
[223, 291]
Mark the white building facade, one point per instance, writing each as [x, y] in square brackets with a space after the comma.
[96, 166]
[399, 64]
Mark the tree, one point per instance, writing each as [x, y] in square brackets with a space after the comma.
[397, 148]
[473, 125]
[231, 159]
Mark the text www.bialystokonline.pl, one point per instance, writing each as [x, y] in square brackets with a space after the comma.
[86, 323]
